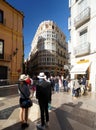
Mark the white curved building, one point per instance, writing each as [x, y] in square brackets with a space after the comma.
[49, 50]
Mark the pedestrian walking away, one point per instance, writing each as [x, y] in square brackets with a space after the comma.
[43, 94]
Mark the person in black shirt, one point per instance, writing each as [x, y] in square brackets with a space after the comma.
[43, 94]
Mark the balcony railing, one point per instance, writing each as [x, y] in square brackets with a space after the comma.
[6, 57]
[82, 17]
[82, 49]
[69, 23]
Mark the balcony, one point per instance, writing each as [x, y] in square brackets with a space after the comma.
[69, 23]
[6, 57]
[82, 49]
[82, 18]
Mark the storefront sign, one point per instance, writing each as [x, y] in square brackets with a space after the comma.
[82, 61]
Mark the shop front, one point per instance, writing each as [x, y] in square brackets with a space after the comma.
[80, 69]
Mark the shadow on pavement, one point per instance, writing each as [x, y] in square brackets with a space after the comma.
[70, 115]
[62, 119]
[5, 113]
[17, 126]
[66, 117]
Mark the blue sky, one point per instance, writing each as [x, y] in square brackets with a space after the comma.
[36, 11]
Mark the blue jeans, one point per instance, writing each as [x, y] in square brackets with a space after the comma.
[56, 87]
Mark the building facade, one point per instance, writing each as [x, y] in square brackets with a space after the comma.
[11, 43]
[82, 22]
[49, 50]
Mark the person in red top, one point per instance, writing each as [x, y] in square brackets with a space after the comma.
[28, 80]
[31, 86]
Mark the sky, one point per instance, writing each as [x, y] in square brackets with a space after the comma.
[37, 11]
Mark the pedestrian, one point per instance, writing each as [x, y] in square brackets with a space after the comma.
[76, 88]
[33, 89]
[56, 86]
[60, 82]
[43, 94]
[66, 85]
[52, 83]
[23, 90]
[83, 84]
[69, 84]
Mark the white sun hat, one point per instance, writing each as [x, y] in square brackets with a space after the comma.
[23, 77]
[41, 75]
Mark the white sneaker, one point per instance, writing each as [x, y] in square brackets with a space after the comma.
[40, 126]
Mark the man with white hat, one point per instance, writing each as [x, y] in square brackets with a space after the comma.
[43, 94]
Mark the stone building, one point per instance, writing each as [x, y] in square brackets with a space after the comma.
[49, 50]
[11, 43]
[82, 23]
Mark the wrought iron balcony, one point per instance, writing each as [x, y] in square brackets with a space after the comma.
[5, 57]
[69, 23]
[82, 49]
[82, 18]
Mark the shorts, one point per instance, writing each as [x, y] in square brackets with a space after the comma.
[20, 101]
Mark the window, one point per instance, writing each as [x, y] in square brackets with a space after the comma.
[83, 36]
[83, 32]
[1, 49]
[52, 27]
[82, 5]
[61, 53]
[1, 16]
[53, 47]
[46, 25]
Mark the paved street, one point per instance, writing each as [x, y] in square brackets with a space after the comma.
[67, 113]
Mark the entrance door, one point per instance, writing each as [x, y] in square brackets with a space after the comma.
[3, 72]
[3, 75]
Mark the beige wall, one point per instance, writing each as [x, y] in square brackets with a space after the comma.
[11, 31]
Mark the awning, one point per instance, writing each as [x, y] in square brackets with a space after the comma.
[80, 68]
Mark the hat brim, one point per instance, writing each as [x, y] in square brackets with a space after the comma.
[25, 78]
[21, 80]
[41, 77]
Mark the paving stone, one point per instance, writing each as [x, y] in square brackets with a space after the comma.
[67, 113]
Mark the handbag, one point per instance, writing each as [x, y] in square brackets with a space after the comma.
[27, 102]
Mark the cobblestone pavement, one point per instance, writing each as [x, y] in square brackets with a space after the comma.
[67, 113]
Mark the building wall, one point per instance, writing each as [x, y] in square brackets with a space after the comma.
[11, 31]
[50, 47]
[75, 30]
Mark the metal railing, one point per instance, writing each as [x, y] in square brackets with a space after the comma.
[4, 82]
[6, 57]
[82, 17]
[82, 49]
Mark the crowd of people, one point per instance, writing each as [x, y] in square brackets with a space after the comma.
[42, 87]
[79, 86]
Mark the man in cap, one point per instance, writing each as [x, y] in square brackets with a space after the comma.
[43, 94]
